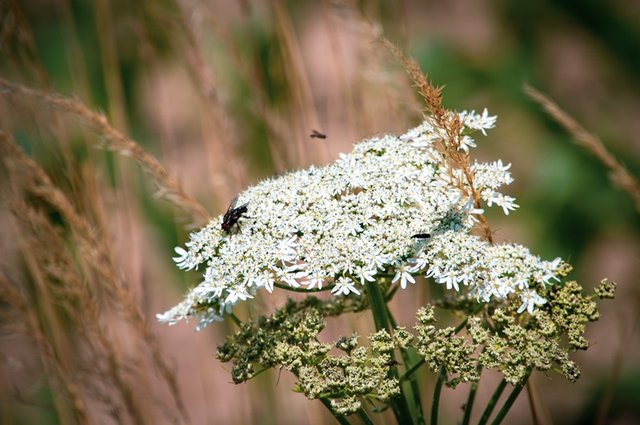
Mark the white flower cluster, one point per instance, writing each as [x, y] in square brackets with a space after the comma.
[348, 222]
[454, 258]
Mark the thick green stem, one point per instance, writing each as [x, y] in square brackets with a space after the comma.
[381, 319]
[378, 307]
[435, 405]
[509, 402]
[341, 419]
[407, 359]
[492, 402]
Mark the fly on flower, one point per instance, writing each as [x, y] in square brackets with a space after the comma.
[421, 236]
[232, 215]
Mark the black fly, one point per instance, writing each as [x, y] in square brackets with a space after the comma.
[232, 216]
[317, 135]
[421, 236]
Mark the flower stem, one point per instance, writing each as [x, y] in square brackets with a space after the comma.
[409, 372]
[509, 402]
[407, 359]
[470, 400]
[235, 319]
[492, 402]
[381, 320]
[435, 405]
[364, 417]
[389, 295]
[378, 307]
[341, 419]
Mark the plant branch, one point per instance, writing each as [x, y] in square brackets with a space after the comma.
[169, 188]
[510, 400]
[437, 390]
[492, 403]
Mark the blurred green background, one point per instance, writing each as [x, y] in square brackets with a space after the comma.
[226, 93]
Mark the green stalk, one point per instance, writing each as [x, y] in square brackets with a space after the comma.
[341, 419]
[378, 307]
[381, 319]
[389, 295]
[407, 359]
[509, 402]
[470, 400]
[235, 319]
[408, 374]
[492, 402]
[364, 417]
[435, 405]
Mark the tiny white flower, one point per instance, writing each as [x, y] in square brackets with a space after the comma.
[530, 299]
[344, 286]
[403, 275]
[450, 279]
[287, 249]
[419, 264]
[236, 293]
[352, 227]
[478, 122]
[264, 280]
[365, 274]
[289, 274]
[504, 201]
[548, 270]
[313, 282]
[467, 142]
[182, 260]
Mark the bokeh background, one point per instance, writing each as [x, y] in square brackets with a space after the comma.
[225, 94]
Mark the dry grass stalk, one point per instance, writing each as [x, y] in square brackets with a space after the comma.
[456, 157]
[277, 129]
[61, 284]
[100, 261]
[58, 282]
[169, 188]
[17, 42]
[57, 375]
[353, 33]
[293, 64]
[222, 153]
[108, 50]
[618, 175]
[275, 125]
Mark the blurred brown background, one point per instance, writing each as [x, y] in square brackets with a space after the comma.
[225, 94]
